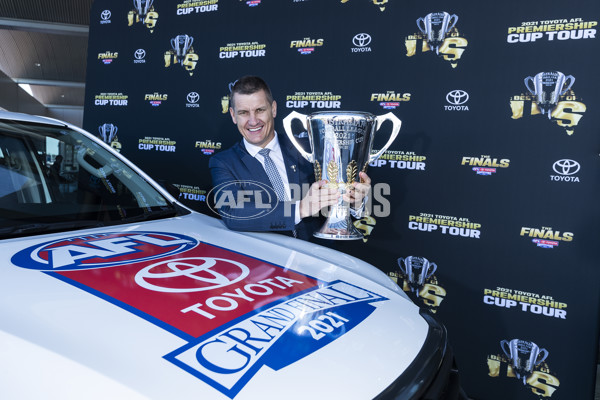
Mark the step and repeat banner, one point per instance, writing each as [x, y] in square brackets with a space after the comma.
[484, 208]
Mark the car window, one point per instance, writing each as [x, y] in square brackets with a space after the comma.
[53, 178]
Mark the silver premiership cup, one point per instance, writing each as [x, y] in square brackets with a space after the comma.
[547, 87]
[435, 26]
[524, 356]
[341, 143]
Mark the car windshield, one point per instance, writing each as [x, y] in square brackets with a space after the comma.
[53, 179]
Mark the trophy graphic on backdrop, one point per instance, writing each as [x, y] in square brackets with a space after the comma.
[341, 145]
[108, 134]
[523, 356]
[417, 270]
[435, 26]
[181, 44]
[547, 87]
[142, 7]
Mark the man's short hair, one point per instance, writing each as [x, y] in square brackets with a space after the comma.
[248, 85]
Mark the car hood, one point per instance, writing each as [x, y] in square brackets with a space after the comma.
[184, 308]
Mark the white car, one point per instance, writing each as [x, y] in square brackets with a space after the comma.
[111, 289]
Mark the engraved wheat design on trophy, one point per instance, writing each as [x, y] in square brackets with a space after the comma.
[351, 173]
[332, 173]
[318, 171]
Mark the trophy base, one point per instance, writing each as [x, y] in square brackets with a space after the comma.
[338, 236]
[338, 225]
[347, 233]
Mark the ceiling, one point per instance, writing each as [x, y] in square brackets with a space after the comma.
[43, 43]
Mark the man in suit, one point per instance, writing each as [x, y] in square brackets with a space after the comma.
[241, 172]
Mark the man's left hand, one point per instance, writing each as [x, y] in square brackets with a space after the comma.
[359, 190]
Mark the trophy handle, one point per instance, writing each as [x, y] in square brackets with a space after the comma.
[400, 261]
[570, 78]
[527, 85]
[395, 129]
[504, 343]
[424, 28]
[287, 127]
[455, 17]
[434, 268]
[543, 353]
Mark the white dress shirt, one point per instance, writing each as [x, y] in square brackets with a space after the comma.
[277, 158]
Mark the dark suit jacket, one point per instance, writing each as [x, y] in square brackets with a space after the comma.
[255, 209]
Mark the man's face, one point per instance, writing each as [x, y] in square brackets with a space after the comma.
[254, 117]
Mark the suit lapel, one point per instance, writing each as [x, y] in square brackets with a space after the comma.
[255, 168]
[290, 159]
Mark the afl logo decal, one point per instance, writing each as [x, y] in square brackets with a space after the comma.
[102, 250]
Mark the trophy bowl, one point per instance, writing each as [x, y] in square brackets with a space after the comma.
[341, 143]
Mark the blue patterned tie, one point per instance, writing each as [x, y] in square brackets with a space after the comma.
[273, 174]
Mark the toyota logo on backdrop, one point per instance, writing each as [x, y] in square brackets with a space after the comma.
[457, 97]
[193, 97]
[140, 54]
[105, 15]
[566, 167]
[192, 100]
[361, 40]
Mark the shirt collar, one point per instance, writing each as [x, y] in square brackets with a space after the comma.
[253, 150]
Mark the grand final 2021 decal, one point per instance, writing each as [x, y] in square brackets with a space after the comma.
[206, 295]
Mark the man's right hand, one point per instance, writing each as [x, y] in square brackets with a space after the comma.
[318, 197]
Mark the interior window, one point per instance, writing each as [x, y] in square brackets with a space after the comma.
[51, 175]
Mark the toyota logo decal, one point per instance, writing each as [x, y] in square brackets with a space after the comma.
[361, 40]
[457, 97]
[105, 15]
[192, 274]
[566, 167]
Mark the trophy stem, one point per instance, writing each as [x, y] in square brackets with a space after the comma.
[338, 225]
